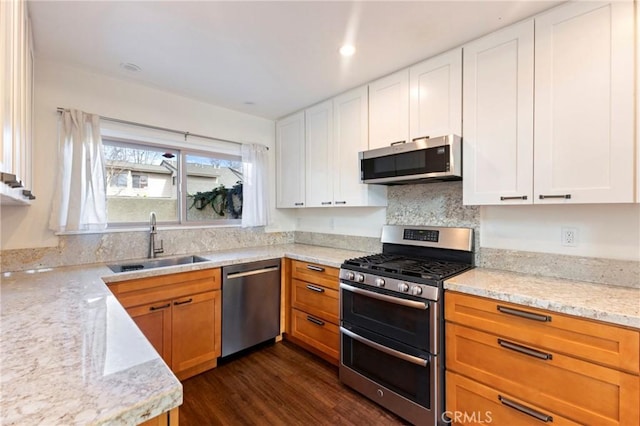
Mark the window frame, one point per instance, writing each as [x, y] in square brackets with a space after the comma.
[181, 151]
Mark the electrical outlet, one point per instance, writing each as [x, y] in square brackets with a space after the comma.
[569, 236]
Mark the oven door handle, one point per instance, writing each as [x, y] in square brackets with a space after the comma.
[397, 354]
[404, 302]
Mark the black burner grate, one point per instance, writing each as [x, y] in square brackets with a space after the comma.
[408, 267]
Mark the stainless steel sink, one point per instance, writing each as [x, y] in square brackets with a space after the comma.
[156, 263]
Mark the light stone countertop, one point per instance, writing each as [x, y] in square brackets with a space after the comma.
[70, 354]
[613, 304]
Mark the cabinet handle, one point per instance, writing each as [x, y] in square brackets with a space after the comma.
[397, 143]
[341, 202]
[524, 314]
[524, 409]
[316, 321]
[155, 308]
[316, 289]
[315, 268]
[27, 193]
[325, 203]
[524, 350]
[421, 137]
[519, 197]
[189, 300]
[298, 204]
[566, 196]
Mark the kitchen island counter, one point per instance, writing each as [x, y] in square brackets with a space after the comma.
[609, 303]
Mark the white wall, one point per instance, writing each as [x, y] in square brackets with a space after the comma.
[609, 231]
[58, 85]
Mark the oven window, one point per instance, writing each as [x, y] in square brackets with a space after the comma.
[404, 378]
[410, 326]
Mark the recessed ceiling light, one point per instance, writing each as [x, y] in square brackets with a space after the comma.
[347, 50]
[130, 67]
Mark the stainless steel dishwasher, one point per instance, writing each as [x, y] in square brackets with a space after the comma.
[250, 304]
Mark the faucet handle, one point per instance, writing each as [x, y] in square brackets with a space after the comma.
[159, 250]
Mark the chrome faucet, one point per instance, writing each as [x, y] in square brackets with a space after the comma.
[152, 237]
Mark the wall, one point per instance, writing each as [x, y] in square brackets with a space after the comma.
[58, 85]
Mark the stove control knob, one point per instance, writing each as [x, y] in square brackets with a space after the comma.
[380, 282]
[350, 276]
[403, 287]
[360, 278]
[416, 291]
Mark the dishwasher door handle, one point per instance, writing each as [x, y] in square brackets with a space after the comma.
[254, 272]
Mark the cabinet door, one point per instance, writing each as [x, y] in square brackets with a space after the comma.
[290, 174]
[498, 117]
[389, 110]
[435, 87]
[154, 320]
[195, 338]
[350, 125]
[584, 93]
[319, 135]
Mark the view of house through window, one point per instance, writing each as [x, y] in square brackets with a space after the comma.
[142, 179]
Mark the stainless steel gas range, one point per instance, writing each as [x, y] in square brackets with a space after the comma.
[391, 319]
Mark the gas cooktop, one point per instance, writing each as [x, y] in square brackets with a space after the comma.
[403, 266]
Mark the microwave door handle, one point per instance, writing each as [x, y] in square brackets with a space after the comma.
[408, 303]
[397, 354]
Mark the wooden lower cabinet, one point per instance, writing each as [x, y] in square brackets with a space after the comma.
[196, 332]
[496, 358]
[317, 333]
[180, 314]
[170, 418]
[313, 308]
[471, 403]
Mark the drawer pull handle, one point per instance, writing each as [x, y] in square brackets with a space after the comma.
[341, 203]
[316, 321]
[519, 197]
[315, 268]
[524, 409]
[156, 308]
[524, 350]
[183, 302]
[314, 288]
[524, 314]
[565, 196]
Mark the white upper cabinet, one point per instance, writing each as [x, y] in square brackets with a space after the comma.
[498, 117]
[16, 105]
[581, 146]
[290, 161]
[350, 124]
[584, 104]
[389, 110]
[435, 87]
[319, 158]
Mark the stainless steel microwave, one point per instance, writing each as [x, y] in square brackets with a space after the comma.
[423, 160]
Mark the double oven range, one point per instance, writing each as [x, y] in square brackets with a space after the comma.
[391, 318]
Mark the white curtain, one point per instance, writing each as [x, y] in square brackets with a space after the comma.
[80, 202]
[255, 186]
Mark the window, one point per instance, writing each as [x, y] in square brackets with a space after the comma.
[144, 178]
[139, 181]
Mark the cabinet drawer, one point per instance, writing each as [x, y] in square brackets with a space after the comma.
[316, 300]
[322, 335]
[586, 339]
[151, 289]
[471, 403]
[581, 391]
[325, 276]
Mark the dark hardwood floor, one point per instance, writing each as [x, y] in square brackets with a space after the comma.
[279, 384]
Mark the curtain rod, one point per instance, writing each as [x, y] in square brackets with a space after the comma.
[164, 129]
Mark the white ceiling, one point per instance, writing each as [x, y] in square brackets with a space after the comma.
[281, 56]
